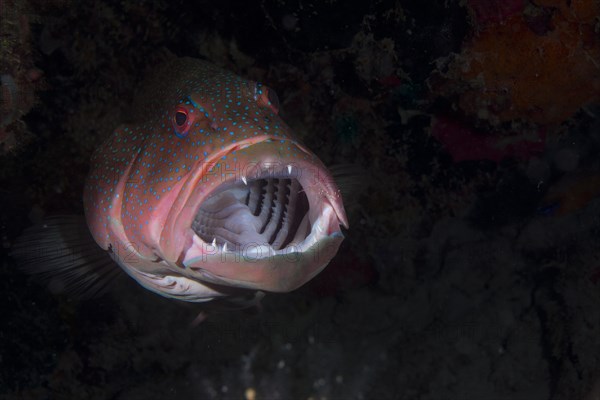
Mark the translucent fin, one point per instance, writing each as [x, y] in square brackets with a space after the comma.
[351, 179]
[62, 253]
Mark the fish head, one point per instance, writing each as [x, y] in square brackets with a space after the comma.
[218, 193]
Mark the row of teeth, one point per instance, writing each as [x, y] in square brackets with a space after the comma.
[245, 180]
[261, 251]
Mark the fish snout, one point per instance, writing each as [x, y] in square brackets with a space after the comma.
[272, 224]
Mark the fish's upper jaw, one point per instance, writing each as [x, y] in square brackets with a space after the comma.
[272, 226]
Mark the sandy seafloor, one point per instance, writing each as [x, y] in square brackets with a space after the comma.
[471, 269]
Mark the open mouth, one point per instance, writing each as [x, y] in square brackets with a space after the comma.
[271, 226]
[267, 215]
[266, 212]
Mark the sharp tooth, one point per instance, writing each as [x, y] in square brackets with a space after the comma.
[214, 242]
[225, 247]
[244, 180]
[289, 169]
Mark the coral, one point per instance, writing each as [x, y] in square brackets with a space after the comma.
[570, 194]
[451, 283]
[493, 11]
[541, 65]
[374, 58]
[463, 143]
[19, 77]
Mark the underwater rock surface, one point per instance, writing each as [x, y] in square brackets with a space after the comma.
[471, 266]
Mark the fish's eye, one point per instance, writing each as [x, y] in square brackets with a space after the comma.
[181, 121]
[267, 97]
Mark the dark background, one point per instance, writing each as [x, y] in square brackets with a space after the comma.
[471, 269]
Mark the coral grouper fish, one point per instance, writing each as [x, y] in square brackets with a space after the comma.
[206, 192]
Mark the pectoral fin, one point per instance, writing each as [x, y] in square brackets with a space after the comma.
[62, 253]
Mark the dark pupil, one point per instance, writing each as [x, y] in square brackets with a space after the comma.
[273, 99]
[180, 118]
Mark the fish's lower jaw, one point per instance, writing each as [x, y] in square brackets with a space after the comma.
[320, 228]
[263, 268]
[256, 265]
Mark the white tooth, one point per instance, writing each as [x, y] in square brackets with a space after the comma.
[225, 247]
[214, 242]
[244, 180]
[289, 169]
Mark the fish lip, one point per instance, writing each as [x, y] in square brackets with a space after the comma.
[280, 271]
[323, 196]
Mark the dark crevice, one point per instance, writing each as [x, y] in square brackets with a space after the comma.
[301, 208]
[271, 184]
[262, 191]
[284, 199]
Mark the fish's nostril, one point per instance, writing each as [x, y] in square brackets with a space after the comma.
[180, 118]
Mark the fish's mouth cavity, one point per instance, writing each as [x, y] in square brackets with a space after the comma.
[269, 211]
[267, 207]
[268, 215]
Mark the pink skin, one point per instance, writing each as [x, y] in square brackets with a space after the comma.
[171, 238]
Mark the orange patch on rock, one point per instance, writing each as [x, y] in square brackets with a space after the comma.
[515, 73]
